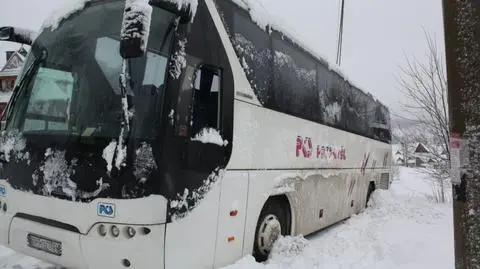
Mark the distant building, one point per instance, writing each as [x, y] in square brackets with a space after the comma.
[421, 149]
[10, 71]
[419, 155]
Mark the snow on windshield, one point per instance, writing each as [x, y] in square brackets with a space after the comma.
[108, 154]
[56, 174]
[137, 12]
[144, 162]
[210, 136]
[13, 144]
[63, 12]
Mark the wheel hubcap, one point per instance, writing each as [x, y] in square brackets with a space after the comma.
[270, 230]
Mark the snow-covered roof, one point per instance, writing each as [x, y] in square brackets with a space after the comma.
[396, 147]
[421, 148]
[10, 73]
[13, 65]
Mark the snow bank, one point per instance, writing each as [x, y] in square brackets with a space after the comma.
[69, 8]
[400, 229]
[289, 247]
[211, 136]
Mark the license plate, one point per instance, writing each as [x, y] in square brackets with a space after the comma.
[44, 244]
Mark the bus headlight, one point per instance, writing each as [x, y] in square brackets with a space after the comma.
[115, 231]
[130, 232]
[102, 230]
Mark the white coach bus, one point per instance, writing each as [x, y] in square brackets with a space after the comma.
[190, 149]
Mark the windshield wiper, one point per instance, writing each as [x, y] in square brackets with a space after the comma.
[25, 80]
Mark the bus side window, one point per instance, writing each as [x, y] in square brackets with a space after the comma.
[206, 99]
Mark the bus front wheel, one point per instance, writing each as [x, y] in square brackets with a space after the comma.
[273, 222]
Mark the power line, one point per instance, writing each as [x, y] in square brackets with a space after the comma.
[340, 33]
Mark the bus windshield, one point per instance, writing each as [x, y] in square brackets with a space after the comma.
[75, 90]
[68, 106]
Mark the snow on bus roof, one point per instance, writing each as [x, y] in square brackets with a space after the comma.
[64, 11]
[263, 19]
[70, 7]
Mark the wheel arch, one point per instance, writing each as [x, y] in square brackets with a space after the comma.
[285, 201]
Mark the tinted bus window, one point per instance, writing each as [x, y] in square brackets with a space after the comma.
[252, 47]
[334, 105]
[295, 81]
[324, 80]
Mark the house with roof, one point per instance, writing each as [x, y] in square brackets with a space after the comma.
[10, 71]
[418, 155]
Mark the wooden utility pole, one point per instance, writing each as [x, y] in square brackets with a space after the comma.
[462, 42]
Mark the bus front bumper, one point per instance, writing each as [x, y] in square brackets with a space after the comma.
[133, 247]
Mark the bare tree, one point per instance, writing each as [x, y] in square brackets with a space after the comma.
[425, 86]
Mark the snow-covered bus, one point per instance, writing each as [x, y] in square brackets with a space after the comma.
[221, 133]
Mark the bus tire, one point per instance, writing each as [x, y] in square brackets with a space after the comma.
[371, 189]
[274, 221]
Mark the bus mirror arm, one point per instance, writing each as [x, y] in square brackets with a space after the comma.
[17, 35]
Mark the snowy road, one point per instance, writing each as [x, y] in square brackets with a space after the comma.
[401, 229]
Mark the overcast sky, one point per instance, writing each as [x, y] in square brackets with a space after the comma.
[378, 34]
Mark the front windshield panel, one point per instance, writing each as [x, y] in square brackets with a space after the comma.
[75, 90]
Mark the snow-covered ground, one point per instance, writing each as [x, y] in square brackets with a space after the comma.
[402, 228]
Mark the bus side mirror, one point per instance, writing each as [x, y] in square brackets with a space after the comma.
[17, 35]
[135, 28]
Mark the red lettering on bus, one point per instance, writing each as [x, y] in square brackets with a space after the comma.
[305, 146]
